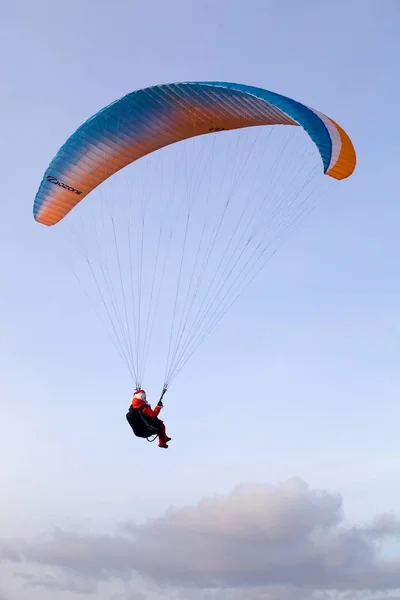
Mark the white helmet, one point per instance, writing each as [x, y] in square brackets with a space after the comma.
[140, 395]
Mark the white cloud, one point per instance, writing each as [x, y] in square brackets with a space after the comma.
[260, 542]
[61, 581]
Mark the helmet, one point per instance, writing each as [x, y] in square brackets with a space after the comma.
[140, 395]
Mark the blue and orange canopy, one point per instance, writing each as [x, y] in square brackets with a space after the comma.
[152, 118]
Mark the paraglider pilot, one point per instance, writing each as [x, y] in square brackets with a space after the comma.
[144, 420]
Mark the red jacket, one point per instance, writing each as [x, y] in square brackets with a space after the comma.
[148, 411]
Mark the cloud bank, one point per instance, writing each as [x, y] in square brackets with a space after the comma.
[259, 542]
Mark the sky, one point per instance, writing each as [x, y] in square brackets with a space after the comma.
[303, 504]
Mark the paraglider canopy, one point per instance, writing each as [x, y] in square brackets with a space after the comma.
[192, 250]
[149, 119]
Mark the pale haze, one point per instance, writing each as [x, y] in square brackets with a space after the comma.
[281, 480]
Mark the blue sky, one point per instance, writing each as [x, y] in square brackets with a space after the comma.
[311, 350]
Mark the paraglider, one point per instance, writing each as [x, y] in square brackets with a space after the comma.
[223, 239]
[144, 420]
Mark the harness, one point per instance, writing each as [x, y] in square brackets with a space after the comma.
[141, 426]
